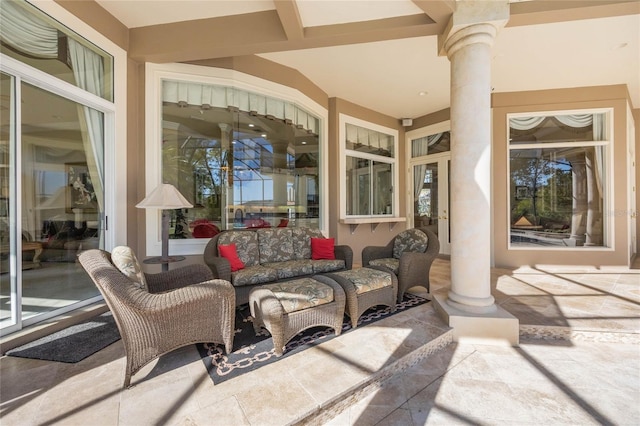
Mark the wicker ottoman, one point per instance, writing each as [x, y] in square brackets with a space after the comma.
[289, 307]
[367, 287]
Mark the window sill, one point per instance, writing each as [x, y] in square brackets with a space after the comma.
[374, 221]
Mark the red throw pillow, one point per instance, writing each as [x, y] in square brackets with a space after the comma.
[230, 253]
[322, 248]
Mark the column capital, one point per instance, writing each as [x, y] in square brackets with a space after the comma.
[473, 22]
[225, 128]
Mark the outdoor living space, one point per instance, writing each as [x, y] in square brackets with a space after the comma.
[578, 362]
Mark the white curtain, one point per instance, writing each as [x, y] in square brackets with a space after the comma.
[575, 120]
[525, 123]
[27, 33]
[209, 95]
[572, 120]
[599, 134]
[370, 138]
[88, 69]
[420, 147]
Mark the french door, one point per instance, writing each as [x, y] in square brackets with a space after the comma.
[430, 177]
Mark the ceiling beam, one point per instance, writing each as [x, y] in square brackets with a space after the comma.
[290, 17]
[550, 11]
[439, 11]
[223, 37]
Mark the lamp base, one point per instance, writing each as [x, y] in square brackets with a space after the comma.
[159, 259]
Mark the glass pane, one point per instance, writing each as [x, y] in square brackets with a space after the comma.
[358, 178]
[557, 196]
[425, 205]
[7, 173]
[560, 128]
[432, 144]
[382, 188]
[239, 170]
[62, 199]
[370, 141]
[54, 49]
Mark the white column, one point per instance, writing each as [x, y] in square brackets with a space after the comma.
[467, 44]
[469, 308]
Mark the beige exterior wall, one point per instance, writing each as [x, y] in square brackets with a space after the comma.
[615, 97]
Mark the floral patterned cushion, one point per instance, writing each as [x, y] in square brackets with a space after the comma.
[256, 274]
[325, 265]
[412, 240]
[366, 279]
[125, 260]
[246, 245]
[390, 263]
[291, 268]
[301, 294]
[302, 241]
[275, 245]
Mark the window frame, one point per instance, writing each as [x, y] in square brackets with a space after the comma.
[343, 120]
[608, 220]
[154, 75]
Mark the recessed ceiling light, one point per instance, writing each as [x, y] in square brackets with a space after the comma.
[423, 93]
[264, 135]
[252, 125]
[303, 142]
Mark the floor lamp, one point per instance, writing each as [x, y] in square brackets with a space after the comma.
[165, 197]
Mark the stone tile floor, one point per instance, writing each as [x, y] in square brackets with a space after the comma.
[578, 363]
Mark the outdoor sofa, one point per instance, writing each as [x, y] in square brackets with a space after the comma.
[253, 257]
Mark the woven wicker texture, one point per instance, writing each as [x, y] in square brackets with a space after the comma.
[414, 267]
[269, 313]
[183, 306]
[247, 279]
[359, 302]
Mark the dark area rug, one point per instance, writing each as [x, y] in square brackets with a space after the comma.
[74, 343]
[251, 352]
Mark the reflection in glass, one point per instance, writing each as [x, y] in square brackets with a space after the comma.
[557, 196]
[426, 196]
[62, 198]
[240, 169]
[432, 144]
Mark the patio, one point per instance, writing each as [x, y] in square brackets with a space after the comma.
[578, 363]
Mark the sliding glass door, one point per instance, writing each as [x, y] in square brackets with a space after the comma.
[52, 201]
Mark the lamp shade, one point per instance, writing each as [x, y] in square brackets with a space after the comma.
[165, 197]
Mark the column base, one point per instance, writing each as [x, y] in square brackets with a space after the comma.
[498, 327]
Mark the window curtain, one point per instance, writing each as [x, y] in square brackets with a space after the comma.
[599, 134]
[373, 139]
[27, 33]
[576, 121]
[420, 147]
[525, 123]
[572, 120]
[209, 95]
[88, 70]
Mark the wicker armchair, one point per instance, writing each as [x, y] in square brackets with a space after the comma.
[407, 256]
[183, 306]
